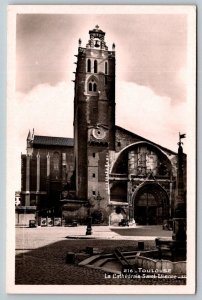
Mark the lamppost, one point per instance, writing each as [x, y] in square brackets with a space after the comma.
[89, 218]
[179, 232]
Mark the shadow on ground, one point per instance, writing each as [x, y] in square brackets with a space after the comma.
[142, 231]
[46, 265]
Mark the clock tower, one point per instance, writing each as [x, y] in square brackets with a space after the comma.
[94, 116]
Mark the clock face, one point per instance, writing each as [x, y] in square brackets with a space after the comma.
[99, 133]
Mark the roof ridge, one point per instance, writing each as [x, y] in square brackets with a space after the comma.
[50, 136]
[53, 140]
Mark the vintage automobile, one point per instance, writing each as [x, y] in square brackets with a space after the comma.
[32, 223]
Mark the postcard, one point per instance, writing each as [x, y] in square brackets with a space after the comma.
[101, 149]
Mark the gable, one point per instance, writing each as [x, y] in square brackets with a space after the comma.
[125, 138]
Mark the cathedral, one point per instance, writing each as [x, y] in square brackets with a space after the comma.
[106, 171]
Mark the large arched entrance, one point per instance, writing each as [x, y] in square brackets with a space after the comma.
[151, 205]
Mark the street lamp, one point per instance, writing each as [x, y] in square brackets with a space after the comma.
[89, 218]
[179, 231]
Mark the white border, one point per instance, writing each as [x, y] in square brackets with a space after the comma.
[190, 10]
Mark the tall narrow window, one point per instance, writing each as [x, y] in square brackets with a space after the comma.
[89, 65]
[56, 158]
[90, 87]
[95, 66]
[94, 87]
[106, 68]
[56, 168]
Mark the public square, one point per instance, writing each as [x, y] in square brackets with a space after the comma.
[41, 253]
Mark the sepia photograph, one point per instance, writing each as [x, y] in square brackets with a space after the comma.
[101, 142]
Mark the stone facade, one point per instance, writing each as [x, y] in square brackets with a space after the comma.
[46, 170]
[107, 171]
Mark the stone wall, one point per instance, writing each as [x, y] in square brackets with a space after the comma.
[23, 218]
[98, 184]
[42, 174]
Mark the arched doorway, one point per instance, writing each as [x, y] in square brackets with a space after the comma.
[151, 205]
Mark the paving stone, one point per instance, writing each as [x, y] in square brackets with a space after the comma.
[41, 255]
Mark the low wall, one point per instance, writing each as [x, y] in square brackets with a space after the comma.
[177, 268]
[22, 219]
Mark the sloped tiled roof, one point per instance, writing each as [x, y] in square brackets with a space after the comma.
[53, 141]
[144, 139]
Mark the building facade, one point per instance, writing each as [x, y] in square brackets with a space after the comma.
[105, 171]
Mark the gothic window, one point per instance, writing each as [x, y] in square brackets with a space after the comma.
[106, 68]
[95, 66]
[92, 85]
[89, 65]
[64, 159]
[56, 159]
[162, 169]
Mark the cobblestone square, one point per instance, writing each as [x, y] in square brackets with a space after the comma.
[41, 254]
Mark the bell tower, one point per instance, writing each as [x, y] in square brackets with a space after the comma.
[94, 114]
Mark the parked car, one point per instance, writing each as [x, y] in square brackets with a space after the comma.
[32, 223]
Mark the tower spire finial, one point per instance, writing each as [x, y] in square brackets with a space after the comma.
[33, 134]
[97, 39]
[29, 135]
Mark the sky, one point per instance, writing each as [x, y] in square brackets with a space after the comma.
[151, 73]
